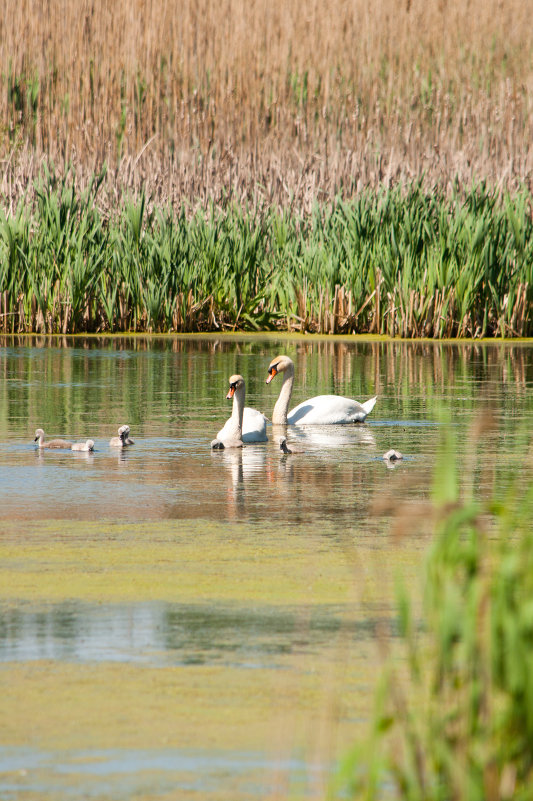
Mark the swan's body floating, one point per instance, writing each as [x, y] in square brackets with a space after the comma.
[254, 425]
[83, 446]
[284, 448]
[230, 435]
[53, 443]
[321, 410]
[245, 424]
[123, 439]
[392, 455]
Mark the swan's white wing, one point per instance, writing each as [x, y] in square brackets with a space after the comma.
[330, 410]
[253, 426]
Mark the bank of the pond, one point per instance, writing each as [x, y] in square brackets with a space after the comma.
[398, 262]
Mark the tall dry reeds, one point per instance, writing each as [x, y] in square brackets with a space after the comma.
[265, 99]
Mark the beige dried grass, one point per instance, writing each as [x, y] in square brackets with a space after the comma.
[266, 99]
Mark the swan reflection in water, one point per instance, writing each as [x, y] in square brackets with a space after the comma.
[244, 467]
[325, 437]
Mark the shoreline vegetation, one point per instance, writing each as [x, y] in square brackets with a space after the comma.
[453, 715]
[396, 262]
[252, 166]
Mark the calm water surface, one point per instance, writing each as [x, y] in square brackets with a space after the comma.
[172, 394]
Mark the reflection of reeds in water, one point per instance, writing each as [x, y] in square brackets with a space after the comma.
[419, 376]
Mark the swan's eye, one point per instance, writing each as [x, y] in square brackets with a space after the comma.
[273, 369]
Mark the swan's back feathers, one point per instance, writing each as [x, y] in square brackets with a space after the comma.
[254, 425]
[330, 410]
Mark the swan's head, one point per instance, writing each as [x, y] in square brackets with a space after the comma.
[39, 433]
[278, 365]
[236, 383]
[89, 445]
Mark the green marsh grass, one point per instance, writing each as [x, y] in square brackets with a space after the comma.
[454, 718]
[393, 262]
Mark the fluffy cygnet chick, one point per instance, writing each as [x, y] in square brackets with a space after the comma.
[285, 449]
[83, 446]
[392, 455]
[53, 443]
[123, 439]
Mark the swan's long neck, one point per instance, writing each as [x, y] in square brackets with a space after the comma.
[279, 415]
[237, 412]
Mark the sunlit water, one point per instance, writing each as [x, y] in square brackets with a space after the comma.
[172, 394]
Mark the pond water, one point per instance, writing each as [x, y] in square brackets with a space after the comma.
[181, 622]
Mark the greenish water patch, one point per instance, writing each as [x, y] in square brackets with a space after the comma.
[174, 600]
[167, 560]
[219, 638]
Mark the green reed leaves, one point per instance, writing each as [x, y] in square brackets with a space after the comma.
[454, 718]
[395, 262]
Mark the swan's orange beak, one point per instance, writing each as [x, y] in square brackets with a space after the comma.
[231, 393]
[271, 373]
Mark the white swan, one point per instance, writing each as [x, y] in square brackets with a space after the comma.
[245, 424]
[53, 443]
[123, 439]
[83, 446]
[321, 410]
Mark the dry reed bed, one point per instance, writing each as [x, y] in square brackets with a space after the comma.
[391, 262]
[265, 101]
